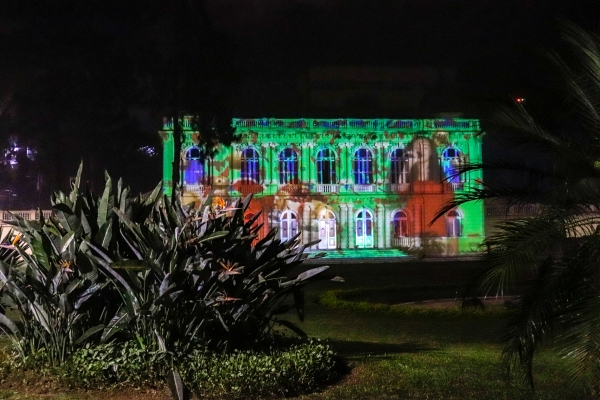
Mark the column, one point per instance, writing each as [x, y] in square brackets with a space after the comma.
[343, 226]
[306, 222]
[380, 212]
[350, 224]
[304, 164]
[273, 163]
[385, 165]
[388, 228]
[266, 162]
[378, 164]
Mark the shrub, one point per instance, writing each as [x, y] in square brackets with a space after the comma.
[241, 374]
[174, 278]
[244, 374]
[103, 365]
[345, 299]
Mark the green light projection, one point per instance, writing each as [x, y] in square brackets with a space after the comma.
[358, 185]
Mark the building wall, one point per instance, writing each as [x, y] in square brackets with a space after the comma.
[355, 210]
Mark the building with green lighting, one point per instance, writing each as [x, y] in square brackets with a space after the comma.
[362, 187]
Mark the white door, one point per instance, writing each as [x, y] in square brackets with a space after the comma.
[364, 229]
[327, 230]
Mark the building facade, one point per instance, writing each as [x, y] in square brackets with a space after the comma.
[360, 186]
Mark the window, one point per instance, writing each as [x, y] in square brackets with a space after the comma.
[196, 169]
[288, 166]
[363, 167]
[250, 166]
[399, 166]
[289, 225]
[453, 224]
[364, 229]
[326, 166]
[451, 162]
[400, 224]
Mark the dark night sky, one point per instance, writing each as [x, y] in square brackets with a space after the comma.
[260, 52]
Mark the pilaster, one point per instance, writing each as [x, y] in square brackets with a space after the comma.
[380, 212]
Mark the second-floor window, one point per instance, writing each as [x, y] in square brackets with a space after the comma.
[399, 166]
[363, 167]
[196, 169]
[288, 166]
[250, 166]
[326, 166]
[451, 163]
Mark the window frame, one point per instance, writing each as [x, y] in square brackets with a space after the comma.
[288, 166]
[331, 161]
[250, 167]
[362, 166]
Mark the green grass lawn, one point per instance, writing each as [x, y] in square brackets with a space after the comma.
[399, 356]
[395, 356]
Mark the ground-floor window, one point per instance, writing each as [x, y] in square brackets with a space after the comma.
[453, 223]
[400, 224]
[289, 225]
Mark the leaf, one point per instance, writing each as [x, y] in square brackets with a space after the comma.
[116, 324]
[178, 389]
[76, 184]
[65, 242]
[106, 201]
[132, 265]
[89, 292]
[68, 219]
[90, 332]
[104, 235]
[40, 315]
[5, 321]
[212, 236]
[311, 272]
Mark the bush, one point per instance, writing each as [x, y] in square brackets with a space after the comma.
[103, 365]
[302, 368]
[241, 374]
[344, 299]
[148, 277]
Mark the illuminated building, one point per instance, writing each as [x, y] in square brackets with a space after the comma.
[362, 187]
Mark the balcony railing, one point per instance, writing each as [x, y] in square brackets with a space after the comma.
[198, 189]
[404, 241]
[456, 186]
[28, 215]
[327, 188]
[291, 188]
[364, 188]
[400, 187]
[250, 189]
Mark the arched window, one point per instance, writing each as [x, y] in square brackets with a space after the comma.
[400, 224]
[453, 223]
[250, 166]
[289, 225]
[363, 167]
[327, 230]
[399, 166]
[326, 166]
[364, 229]
[196, 170]
[451, 162]
[288, 166]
